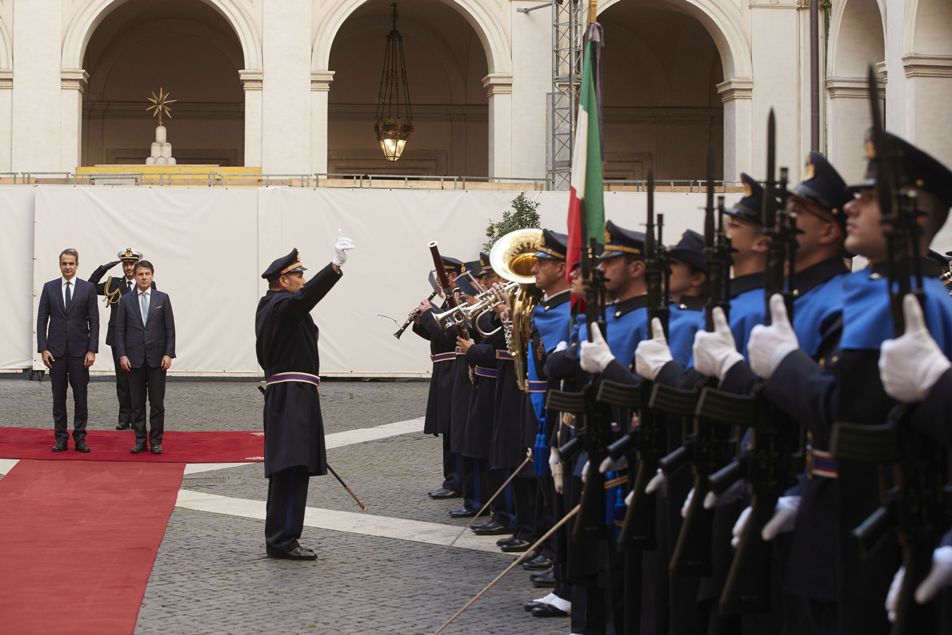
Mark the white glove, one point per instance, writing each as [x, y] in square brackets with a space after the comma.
[733, 493]
[716, 352]
[585, 469]
[784, 518]
[940, 576]
[629, 498]
[657, 483]
[740, 526]
[341, 247]
[910, 365]
[892, 597]
[608, 464]
[595, 355]
[651, 355]
[768, 345]
[561, 346]
[687, 503]
[555, 464]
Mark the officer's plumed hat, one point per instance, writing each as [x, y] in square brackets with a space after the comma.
[283, 265]
[620, 241]
[554, 245]
[452, 264]
[823, 186]
[129, 255]
[690, 250]
[919, 170]
[749, 208]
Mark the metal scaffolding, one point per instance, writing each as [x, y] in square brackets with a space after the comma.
[567, 16]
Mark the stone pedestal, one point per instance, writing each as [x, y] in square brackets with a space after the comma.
[161, 151]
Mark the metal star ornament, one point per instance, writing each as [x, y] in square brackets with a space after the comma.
[160, 105]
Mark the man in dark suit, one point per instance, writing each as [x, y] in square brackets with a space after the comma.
[113, 289]
[145, 342]
[68, 309]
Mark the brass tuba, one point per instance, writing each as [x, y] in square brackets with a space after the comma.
[512, 258]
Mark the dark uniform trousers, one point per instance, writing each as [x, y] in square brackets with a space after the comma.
[123, 393]
[287, 499]
[148, 380]
[67, 368]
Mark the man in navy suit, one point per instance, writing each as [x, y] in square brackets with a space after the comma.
[68, 310]
[145, 343]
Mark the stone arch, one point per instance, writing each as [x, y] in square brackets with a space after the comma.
[858, 28]
[84, 24]
[724, 27]
[928, 27]
[490, 31]
[6, 47]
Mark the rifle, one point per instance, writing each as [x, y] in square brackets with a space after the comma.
[639, 526]
[707, 446]
[774, 457]
[448, 291]
[916, 507]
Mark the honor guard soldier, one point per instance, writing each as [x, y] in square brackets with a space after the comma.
[287, 350]
[113, 289]
[846, 591]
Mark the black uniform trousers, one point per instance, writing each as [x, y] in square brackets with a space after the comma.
[122, 390]
[142, 381]
[287, 498]
[69, 370]
[503, 508]
[452, 474]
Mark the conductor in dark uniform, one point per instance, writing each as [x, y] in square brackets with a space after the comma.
[113, 289]
[286, 347]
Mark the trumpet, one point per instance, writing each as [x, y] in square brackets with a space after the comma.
[467, 315]
[414, 314]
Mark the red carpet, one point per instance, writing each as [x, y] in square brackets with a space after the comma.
[77, 543]
[114, 445]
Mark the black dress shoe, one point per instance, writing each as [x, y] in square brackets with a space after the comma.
[506, 541]
[462, 512]
[538, 563]
[491, 529]
[81, 446]
[516, 545]
[123, 426]
[298, 553]
[443, 493]
[547, 610]
[528, 606]
[544, 580]
[60, 446]
[140, 447]
[156, 449]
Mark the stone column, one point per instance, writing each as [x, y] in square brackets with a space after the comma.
[6, 110]
[285, 105]
[320, 94]
[928, 95]
[736, 95]
[251, 81]
[499, 90]
[848, 111]
[73, 83]
[36, 100]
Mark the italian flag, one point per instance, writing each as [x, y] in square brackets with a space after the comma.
[586, 198]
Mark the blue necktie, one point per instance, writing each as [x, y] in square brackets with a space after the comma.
[69, 295]
[144, 307]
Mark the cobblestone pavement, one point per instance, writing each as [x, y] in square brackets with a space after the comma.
[211, 575]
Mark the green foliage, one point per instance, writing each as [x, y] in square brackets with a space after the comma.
[522, 215]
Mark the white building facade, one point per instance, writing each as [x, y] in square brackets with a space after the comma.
[290, 86]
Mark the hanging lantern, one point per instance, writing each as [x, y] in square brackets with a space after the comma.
[394, 121]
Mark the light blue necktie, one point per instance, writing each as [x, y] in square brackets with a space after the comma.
[144, 307]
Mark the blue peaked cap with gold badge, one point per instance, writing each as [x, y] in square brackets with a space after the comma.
[554, 245]
[919, 169]
[620, 241]
[452, 264]
[285, 264]
[823, 186]
[690, 250]
[750, 207]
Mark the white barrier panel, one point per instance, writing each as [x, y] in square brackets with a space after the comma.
[16, 283]
[209, 246]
